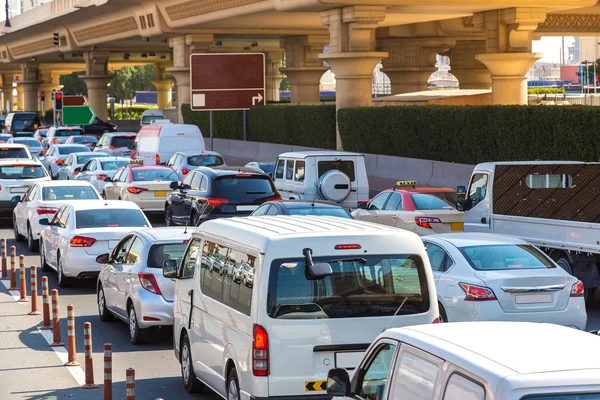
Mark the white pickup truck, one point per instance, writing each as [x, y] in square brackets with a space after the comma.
[554, 205]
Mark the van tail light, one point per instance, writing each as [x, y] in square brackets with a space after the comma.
[477, 293]
[82, 241]
[577, 290]
[46, 210]
[214, 202]
[157, 159]
[101, 177]
[136, 190]
[148, 282]
[185, 171]
[424, 222]
[260, 351]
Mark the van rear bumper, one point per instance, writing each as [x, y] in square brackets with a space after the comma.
[323, 396]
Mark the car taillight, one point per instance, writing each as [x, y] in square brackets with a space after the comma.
[214, 202]
[55, 141]
[436, 321]
[577, 290]
[82, 241]
[136, 190]
[424, 222]
[59, 161]
[46, 210]
[148, 282]
[185, 171]
[111, 147]
[157, 159]
[260, 351]
[477, 293]
[101, 177]
[274, 198]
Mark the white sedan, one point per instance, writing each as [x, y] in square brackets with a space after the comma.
[485, 277]
[74, 161]
[42, 201]
[56, 154]
[96, 171]
[82, 230]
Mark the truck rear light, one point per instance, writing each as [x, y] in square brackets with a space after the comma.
[82, 241]
[214, 202]
[101, 177]
[148, 282]
[136, 190]
[577, 290]
[260, 351]
[185, 171]
[477, 293]
[46, 210]
[424, 222]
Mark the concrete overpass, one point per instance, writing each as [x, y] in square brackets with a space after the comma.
[488, 41]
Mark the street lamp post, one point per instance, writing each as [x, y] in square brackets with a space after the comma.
[7, 24]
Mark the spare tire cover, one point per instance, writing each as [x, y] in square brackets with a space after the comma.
[334, 186]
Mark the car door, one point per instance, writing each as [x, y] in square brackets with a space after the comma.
[376, 372]
[21, 211]
[388, 215]
[29, 209]
[50, 238]
[370, 213]
[122, 182]
[441, 262]
[178, 199]
[63, 170]
[477, 204]
[111, 189]
[110, 273]
[124, 279]
[86, 174]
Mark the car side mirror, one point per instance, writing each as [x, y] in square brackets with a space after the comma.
[77, 170]
[338, 383]
[174, 185]
[44, 221]
[102, 258]
[362, 205]
[170, 269]
[16, 199]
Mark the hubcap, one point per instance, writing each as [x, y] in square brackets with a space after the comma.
[233, 391]
[101, 302]
[132, 323]
[185, 363]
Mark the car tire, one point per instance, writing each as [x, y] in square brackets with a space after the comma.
[190, 382]
[18, 237]
[233, 385]
[137, 335]
[63, 281]
[168, 216]
[105, 314]
[565, 264]
[443, 315]
[32, 244]
[43, 263]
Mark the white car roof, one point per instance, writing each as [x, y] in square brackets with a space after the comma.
[10, 161]
[326, 153]
[13, 145]
[196, 152]
[166, 234]
[523, 347]
[65, 183]
[85, 153]
[475, 239]
[101, 204]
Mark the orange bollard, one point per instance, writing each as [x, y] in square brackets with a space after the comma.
[13, 268]
[107, 371]
[4, 269]
[46, 305]
[34, 291]
[130, 384]
[71, 337]
[89, 364]
[22, 279]
[55, 320]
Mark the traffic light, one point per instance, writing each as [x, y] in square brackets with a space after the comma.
[58, 101]
[56, 36]
[42, 96]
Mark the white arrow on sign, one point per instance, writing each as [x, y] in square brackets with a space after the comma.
[257, 99]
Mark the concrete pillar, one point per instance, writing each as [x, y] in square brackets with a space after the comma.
[96, 80]
[273, 77]
[471, 73]
[7, 92]
[20, 98]
[353, 57]
[164, 88]
[182, 47]
[51, 82]
[30, 84]
[304, 68]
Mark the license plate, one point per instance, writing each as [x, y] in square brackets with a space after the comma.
[113, 243]
[160, 193]
[348, 360]
[533, 298]
[457, 226]
[23, 189]
[246, 208]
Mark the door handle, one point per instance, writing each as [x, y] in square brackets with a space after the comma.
[484, 220]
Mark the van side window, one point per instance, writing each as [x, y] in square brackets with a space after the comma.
[279, 169]
[477, 190]
[347, 167]
[299, 172]
[211, 281]
[460, 387]
[289, 170]
[188, 265]
[415, 372]
[376, 375]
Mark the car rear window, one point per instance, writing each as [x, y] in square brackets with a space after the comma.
[243, 184]
[123, 141]
[112, 165]
[434, 201]
[346, 167]
[19, 171]
[7, 152]
[24, 122]
[31, 142]
[159, 253]
[148, 175]
[85, 139]
[329, 211]
[69, 193]
[505, 257]
[148, 119]
[110, 218]
[67, 132]
[204, 161]
[64, 150]
[87, 157]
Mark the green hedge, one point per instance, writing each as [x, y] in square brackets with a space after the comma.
[311, 126]
[473, 134]
[546, 90]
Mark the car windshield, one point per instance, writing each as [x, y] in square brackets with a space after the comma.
[563, 396]
[148, 119]
[148, 175]
[8, 152]
[64, 150]
[329, 211]
[159, 253]
[82, 159]
[204, 160]
[30, 142]
[434, 201]
[113, 165]
[67, 132]
[505, 257]
[123, 141]
[110, 218]
[360, 286]
[244, 184]
[69, 193]
[20, 171]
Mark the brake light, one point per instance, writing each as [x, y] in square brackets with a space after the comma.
[577, 290]
[214, 202]
[42, 152]
[260, 351]
[275, 198]
[347, 246]
[111, 147]
[157, 159]
[424, 222]
[46, 210]
[82, 241]
[335, 162]
[18, 165]
[477, 293]
[136, 190]
[59, 161]
[243, 175]
[204, 155]
[185, 171]
[436, 321]
[55, 141]
[148, 282]
[101, 177]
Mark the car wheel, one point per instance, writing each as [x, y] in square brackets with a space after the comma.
[190, 382]
[18, 237]
[565, 264]
[168, 216]
[105, 315]
[443, 315]
[32, 244]
[233, 386]
[63, 281]
[43, 263]
[137, 335]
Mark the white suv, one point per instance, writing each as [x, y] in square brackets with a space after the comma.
[336, 176]
[16, 177]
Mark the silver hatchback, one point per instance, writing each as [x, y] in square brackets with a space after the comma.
[131, 286]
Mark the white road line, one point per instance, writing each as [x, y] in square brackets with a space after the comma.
[77, 372]
[14, 293]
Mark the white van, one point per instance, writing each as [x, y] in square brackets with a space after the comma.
[149, 116]
[156, 143]
[316, 292]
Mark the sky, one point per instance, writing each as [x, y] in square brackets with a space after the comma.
[551, 47]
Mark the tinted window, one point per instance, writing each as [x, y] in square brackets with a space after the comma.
[22, 172]
[31, 142]
[505, 257]
[6, 152]
[330, 211]
[477, 190]
[394, 202]
[434, 201]
[69, 193]
[123, 141]
[146, 175]
[148, 119]
[354, 290]
[112, 165]
[189, 262]
[159, 253]
[378, 202]
[280, 168]
[110, 218]
[25, 122]
[346, 167]
[84, 139]
[64, 150]
[267, 168]
[461, 388]
[204, 161]
[85, 158]
[67, 132]
[289, 170]
[437, 256]
[246, 185]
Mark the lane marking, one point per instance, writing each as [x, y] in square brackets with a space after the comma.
[14, 293]
[76, 372]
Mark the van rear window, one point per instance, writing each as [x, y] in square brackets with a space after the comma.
[123, 141]
[346, 167]
[375, 288]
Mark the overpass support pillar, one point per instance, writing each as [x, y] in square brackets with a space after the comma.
[7, 92]
[273, 77]
[20, 97]
[471, 73]
[97, 79]
[508, 54]
[412, 61]
[51, 82]
[30, 84]
[303, 68]
[182, 47]
[353, 57]
[164, 88]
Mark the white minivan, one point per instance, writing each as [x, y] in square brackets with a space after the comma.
[318, 291]
[156, 143]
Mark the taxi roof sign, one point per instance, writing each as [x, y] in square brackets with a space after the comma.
[406, 183]
[135, 162]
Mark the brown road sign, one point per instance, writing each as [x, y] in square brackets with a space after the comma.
[74, 101]
[234, 81]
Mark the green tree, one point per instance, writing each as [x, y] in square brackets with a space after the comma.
[72, 85]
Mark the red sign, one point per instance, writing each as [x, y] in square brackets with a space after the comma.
[74, 101]
[233, 81]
